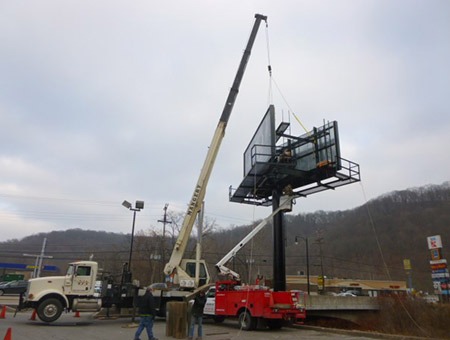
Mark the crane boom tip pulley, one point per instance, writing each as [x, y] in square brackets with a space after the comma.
[260, 16]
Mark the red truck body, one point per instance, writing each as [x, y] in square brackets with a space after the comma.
[252, 303]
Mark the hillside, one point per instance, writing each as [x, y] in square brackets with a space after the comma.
[373, 240]
[368, 242]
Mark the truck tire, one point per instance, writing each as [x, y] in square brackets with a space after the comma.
[246, 321]
[50, 310]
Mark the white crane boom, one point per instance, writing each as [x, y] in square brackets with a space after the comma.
[174, 266]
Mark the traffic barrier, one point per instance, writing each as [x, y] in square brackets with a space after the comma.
[77, 315]
[33, 315]
[8, 335]
[3, 313]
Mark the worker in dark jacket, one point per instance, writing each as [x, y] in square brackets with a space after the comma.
[146, 305]
[197, 316]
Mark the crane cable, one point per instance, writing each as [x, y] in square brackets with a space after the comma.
[273, 81]
[269, 68]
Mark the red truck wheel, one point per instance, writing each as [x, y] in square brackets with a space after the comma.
[246, 321]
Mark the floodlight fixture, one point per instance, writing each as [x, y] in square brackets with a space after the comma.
[126, 204]
[282, 128]
[139, 205]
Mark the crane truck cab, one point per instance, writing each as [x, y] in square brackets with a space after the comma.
[78, 291]
[49, 296]
[189, 267]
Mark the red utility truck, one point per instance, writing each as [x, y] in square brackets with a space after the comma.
[253, 303]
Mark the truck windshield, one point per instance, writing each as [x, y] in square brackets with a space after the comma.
[190, 269]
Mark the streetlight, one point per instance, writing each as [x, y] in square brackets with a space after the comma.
[137, 207]
[249, 262]
[307, 259]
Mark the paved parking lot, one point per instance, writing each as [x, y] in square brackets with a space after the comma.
[86, 327]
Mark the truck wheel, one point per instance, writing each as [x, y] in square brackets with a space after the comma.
[246, 321]
[50, 310]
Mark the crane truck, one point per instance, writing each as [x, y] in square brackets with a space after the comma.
[185, 275]
[253, 304]
[182, 271]
[76, 290]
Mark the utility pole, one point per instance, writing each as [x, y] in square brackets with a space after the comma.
[319, 241]
[39, 259]
[164, 221]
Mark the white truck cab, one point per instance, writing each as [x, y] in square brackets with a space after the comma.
[74, 291]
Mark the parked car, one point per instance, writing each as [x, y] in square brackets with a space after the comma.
[346, 294]
[14, 287]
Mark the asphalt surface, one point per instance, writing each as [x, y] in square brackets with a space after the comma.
[87, 327]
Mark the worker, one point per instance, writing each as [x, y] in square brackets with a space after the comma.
[285, 156]
[147, 314]
[197, 316]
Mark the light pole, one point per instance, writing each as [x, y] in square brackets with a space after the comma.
[307, 259]
[39, 258]
[137, 207]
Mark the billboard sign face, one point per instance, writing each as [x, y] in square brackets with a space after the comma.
[261, 147]
[434, 242]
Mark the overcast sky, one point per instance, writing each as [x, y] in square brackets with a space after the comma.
[105, 101]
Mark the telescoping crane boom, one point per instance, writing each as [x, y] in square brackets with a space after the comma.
[177, 267]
